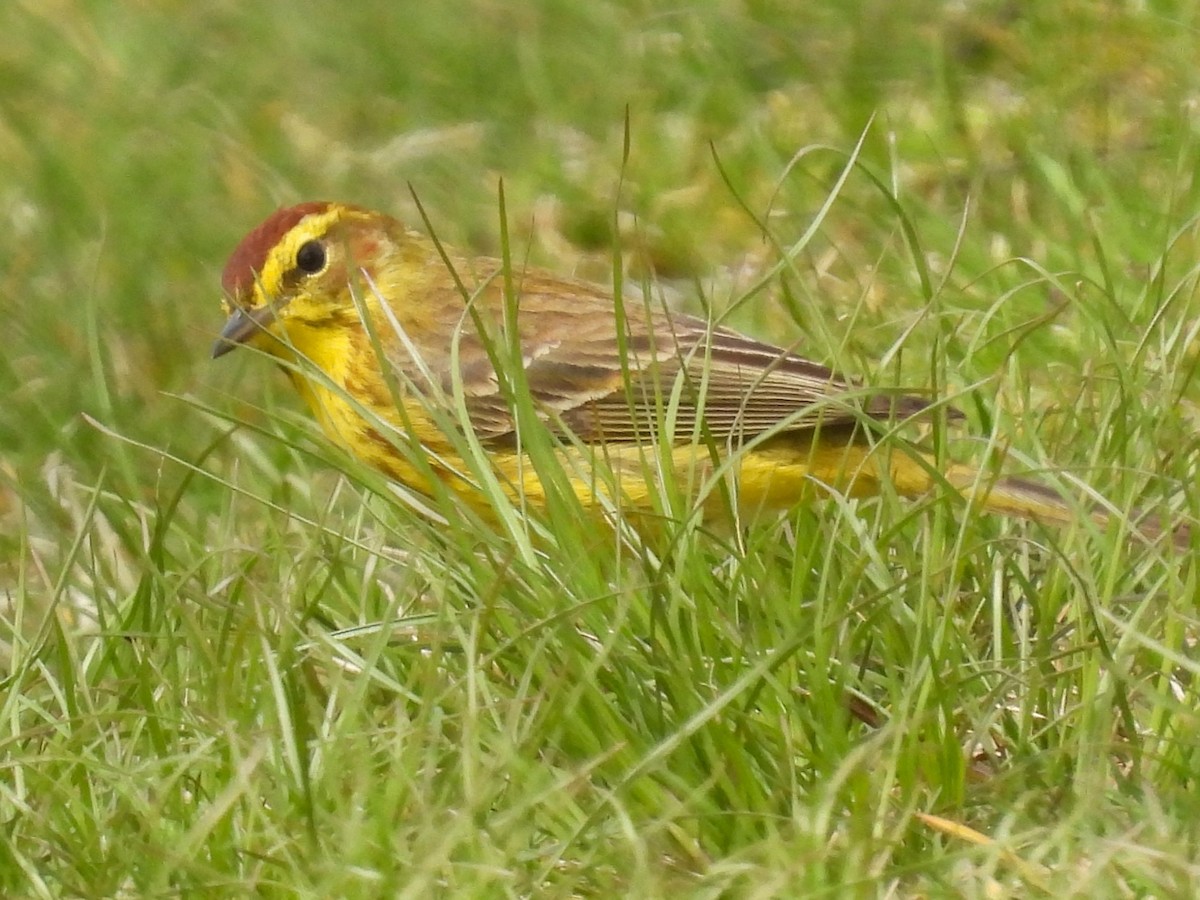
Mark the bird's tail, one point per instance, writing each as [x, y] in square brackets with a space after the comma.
[1028, 499]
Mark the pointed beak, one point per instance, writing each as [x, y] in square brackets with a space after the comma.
[241, 327]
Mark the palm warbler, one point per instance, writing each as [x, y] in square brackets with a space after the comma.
[379, 328]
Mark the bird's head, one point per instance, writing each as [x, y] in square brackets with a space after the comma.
[296, 270]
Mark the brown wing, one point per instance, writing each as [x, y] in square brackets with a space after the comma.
[736, 386]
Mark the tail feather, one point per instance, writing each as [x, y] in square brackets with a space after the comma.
[1028, 499]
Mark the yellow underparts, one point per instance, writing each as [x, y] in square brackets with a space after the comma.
[782, 473]
[786, 472]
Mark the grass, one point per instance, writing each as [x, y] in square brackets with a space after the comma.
[238, 664]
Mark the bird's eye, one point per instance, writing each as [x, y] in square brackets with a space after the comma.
[311, 258]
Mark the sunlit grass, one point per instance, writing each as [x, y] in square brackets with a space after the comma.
[238, 663]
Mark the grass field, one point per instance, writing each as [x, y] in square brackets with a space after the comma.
[237, 664]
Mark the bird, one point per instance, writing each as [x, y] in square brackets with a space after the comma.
[401, 345]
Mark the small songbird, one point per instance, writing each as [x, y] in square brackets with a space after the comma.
[383, 331]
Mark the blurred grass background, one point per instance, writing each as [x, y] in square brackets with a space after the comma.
[1044, 156]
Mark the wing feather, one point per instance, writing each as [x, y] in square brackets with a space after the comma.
[731, 385]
